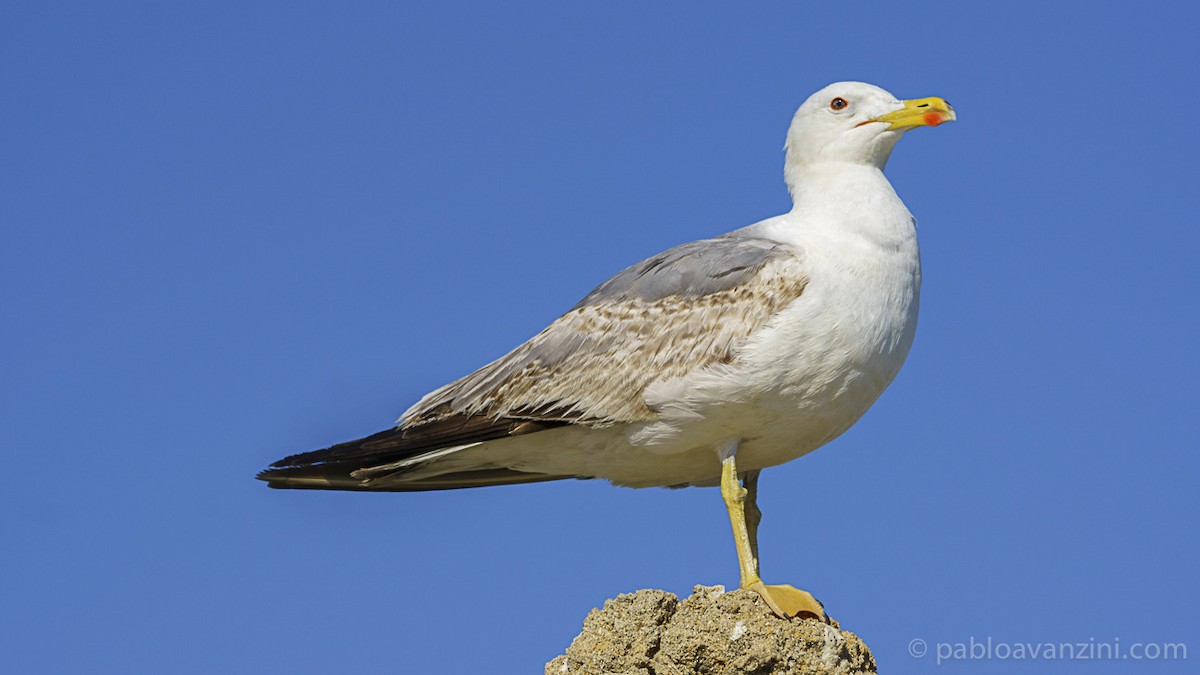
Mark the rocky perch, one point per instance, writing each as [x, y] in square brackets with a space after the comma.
[652, 632]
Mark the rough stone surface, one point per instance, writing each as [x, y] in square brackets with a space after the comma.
[652, 632]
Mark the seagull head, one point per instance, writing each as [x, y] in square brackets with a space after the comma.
[856, 123]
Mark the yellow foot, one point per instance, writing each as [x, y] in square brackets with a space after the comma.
[789, 602]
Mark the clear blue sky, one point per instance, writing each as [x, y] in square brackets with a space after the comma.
[233, 231]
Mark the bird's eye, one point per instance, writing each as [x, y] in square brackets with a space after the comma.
[838, 103]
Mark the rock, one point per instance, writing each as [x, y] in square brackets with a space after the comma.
[652, 632]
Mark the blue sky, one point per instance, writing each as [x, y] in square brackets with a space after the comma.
[232, 231]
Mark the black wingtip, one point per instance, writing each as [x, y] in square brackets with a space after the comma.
[335, 467]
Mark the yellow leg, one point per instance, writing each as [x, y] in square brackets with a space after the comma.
[784, 600]
[753, 514]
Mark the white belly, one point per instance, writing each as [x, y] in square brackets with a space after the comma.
[827, 360]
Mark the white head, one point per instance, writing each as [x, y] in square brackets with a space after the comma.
[855, 123]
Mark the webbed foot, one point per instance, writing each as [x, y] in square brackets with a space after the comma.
[789, 602]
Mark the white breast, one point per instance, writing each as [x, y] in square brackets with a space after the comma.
[821, 363]
[831, 353]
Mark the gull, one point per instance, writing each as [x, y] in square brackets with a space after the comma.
[699, 366]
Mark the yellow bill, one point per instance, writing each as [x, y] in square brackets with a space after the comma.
[918, 112]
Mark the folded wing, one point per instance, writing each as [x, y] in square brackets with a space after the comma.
[688, 308]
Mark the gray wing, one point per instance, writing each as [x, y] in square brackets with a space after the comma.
[682, 310]
[690, 270]
[665, 317]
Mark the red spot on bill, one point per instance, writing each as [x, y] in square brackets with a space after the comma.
[933, 119]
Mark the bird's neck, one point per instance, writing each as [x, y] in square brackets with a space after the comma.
[832, 182]
[849, 198]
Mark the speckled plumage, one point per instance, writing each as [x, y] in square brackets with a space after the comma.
[666, 317]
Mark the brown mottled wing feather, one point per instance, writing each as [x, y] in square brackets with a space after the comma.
[666, 317]
[686, 309]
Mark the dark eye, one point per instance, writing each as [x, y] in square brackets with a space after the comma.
[838, 103]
